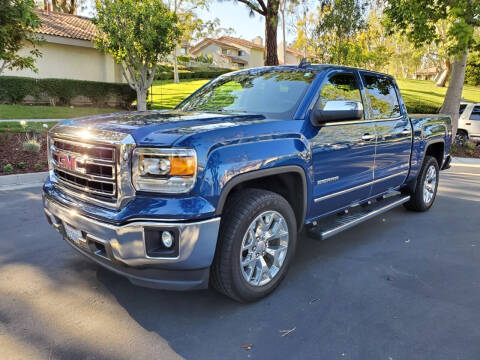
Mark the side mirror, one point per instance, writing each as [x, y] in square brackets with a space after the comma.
[337, 110]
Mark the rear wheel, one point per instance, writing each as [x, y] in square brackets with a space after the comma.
[257, 241]
[423, 196]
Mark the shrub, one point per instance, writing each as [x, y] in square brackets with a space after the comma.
[22, 165]
[14, 89]
[184, 59]
[8, 168]
[31, 146]
[471, 145]
[38, 166]
[472, 71]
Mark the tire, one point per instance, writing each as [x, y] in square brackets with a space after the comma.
[461, 138]
[243, 211]
[419, 202]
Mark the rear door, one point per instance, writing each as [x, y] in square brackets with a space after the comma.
[473, 123]
[342, 152]
[393, 130]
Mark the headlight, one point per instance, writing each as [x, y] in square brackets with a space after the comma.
[164, 170]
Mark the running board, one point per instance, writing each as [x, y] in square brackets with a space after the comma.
[344, 222]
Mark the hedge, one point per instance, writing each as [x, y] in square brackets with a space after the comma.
[165, 72]
[14, 89]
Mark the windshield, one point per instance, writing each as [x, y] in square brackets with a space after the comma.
[275, 93]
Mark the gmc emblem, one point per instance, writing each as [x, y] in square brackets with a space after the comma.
[66, 162]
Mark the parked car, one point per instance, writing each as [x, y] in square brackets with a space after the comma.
[468, 123]
[216, 191]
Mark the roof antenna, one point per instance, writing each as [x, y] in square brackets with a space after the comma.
[303, 63]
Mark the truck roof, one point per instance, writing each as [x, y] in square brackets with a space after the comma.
[311, 67]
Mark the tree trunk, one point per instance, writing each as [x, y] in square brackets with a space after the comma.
[141, 99]
[284, 52]
[176, 79]
[271, 24]
[442, 80]
[451, 103]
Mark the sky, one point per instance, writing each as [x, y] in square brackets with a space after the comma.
[234, 15]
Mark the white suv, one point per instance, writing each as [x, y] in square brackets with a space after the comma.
[468, 123]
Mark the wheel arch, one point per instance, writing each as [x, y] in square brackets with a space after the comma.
[437, 150]
[282, 180]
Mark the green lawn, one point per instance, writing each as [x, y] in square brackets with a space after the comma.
[420, 97]
[15, 126]
[48, 112]
[424, 97]
[166, 94]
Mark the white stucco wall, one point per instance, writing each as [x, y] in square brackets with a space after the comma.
[256, 58]
[71, 59]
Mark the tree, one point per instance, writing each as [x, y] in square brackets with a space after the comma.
[65, 6]
[269, 10]
[418, 20]
[18, 22]
[137, 34]
[338, 22]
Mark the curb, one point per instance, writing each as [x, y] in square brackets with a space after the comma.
[465, 162]
[8, 182]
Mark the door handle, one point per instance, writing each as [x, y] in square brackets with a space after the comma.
[406, 132]
[368, 137]
[468, 123]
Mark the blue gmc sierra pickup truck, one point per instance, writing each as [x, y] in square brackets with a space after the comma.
[216, 190]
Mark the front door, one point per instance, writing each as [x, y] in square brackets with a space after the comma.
[343, 152]
[393, 130]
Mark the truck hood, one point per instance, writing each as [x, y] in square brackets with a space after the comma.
[163, 128]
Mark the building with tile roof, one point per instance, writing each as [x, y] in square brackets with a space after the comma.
[68, 52]
[228, 51]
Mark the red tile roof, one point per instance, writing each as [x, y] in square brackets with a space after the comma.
[238, 41]
[234, 59]
[66, 25]
[205, 42]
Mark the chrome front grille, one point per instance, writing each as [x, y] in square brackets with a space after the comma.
[86, 167]
[100, 172]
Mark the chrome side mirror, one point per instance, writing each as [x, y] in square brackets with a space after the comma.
[337, 110]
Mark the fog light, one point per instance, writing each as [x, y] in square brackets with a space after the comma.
[167, 239]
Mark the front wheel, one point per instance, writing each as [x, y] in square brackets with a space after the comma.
[257, 241]
[423, 196]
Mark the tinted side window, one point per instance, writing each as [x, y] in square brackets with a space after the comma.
[342, 86]
[382, 95]
[462, 109]
[475, 113]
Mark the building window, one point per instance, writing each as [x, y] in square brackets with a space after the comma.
[224, 51]
[241, 53]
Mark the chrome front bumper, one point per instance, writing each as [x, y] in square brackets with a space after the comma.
[122, 249]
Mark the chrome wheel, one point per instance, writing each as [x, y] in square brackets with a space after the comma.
[461, 138]
[429, 184]
[264, 248]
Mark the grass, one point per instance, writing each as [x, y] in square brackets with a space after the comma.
[48, 112]
[422, 96]
[16, 127]
[166, 94]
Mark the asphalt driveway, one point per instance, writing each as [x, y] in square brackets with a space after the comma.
[401, 286]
